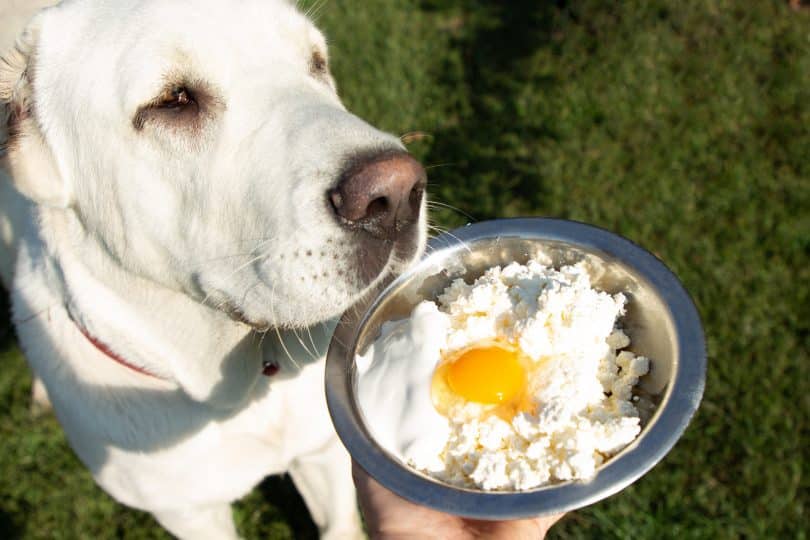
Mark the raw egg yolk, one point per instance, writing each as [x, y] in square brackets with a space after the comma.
[491, 374]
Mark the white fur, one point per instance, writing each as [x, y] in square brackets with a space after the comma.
[140, 236]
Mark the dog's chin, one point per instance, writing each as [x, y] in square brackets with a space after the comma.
[236, 313]
[262, 322]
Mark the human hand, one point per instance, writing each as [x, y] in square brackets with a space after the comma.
[389, 516]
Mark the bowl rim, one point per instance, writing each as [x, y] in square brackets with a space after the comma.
[677, 407]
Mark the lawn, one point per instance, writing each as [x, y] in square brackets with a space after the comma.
[683, 125]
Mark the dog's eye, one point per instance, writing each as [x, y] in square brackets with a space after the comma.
[317, 64]
[178, 97]
[179, 105]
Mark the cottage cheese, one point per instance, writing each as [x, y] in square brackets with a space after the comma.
[579, 384]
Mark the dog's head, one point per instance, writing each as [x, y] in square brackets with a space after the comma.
[202, 144]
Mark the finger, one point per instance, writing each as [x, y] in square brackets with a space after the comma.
[546, 522]
[372, 493]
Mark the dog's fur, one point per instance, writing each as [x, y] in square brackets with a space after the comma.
[194, 242]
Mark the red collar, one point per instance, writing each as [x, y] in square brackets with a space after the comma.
[106, 351]
[110, 354]
[268, 368]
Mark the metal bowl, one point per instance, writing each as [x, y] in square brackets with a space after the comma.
[661, 320]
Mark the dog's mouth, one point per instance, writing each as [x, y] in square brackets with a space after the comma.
[375, 260]
[322, 288]
[236, 314]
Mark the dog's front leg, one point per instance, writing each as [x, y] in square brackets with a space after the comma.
[324, 480]
[199, 522]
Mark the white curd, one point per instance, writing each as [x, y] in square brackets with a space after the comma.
[577, 407]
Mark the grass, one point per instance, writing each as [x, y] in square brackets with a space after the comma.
[681, 125]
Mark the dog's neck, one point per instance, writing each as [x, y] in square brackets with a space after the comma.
[162, 331]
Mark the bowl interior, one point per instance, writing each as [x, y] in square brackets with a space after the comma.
[647, 320]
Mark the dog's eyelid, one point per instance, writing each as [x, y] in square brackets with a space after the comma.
[179, 96]
[181, 104]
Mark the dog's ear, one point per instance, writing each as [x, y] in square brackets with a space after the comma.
[24, 152]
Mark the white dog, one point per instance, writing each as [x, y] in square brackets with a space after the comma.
[185, 206]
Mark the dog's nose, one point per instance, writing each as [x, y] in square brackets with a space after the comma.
[381, 194]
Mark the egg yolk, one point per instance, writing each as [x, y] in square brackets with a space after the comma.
[490, 374]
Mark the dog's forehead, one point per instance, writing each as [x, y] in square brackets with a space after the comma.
[147, 39]
[251, 28]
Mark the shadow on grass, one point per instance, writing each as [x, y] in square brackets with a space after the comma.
[484, 137]
[6, 333]
[9, 528]
[280, 492]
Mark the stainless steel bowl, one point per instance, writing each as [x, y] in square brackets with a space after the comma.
[661, 321]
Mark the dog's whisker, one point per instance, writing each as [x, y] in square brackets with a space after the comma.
[248, 289]
[437, 165]
[340, 341]
[262, 336]
[450, 234]
[262, 240]
[311, 341]
[250, 253]
[285, 266]
[301, 342]
[438, 204]
[276, 328]
[319, 11]
[223, 257]
[313, 352]
[286, 350]
[436, 229]
[238, 269]
[315, 10]
[204, 301]
[246, 239]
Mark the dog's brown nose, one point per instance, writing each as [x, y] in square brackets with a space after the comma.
[381, 194]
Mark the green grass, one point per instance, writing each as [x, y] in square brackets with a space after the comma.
[684, 126]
